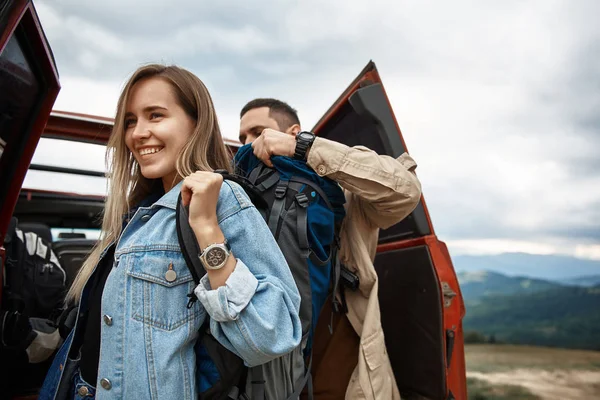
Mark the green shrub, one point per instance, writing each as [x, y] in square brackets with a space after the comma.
[482, 390]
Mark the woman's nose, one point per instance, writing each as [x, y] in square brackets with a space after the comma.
[140, 131]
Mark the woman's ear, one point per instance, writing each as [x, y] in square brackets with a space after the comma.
[293, 130]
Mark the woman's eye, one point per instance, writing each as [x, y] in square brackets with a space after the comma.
[129, 122]
[155, 115]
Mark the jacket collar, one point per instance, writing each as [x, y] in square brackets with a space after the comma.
[169, 199]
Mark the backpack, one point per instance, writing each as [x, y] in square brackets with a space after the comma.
[35, 281]
[304, 212]
[32, 295]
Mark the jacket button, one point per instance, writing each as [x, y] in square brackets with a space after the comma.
[108, 320]
[321, 170]
[105, 383]
[83, 391]
[146, 218]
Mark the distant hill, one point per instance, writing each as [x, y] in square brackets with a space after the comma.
[559, 317]
[549, 267]
[476, 284]
[585, 281]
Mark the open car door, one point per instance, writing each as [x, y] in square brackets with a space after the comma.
[28, 88]
[420, 300]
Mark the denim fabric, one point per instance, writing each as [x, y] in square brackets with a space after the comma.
[78, 384]
[147, 351]
[56, 372]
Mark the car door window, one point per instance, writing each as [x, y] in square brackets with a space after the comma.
[19, 91]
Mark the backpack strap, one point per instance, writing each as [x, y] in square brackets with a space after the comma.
[247, 185]
[314, 187]
[269, 182]
[189, 247]
[231, 368]
[255, 174]
[305, 382]
[278, 206]
[337, 271]
[317, 261]
[258, 384]
[261, 171]
[302, 223]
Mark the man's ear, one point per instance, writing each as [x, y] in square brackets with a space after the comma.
[293, 130]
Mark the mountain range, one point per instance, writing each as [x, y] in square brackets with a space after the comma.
[524, 310]
[478, 284]
[563, 269]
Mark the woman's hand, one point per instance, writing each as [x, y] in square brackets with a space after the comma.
[200, 191]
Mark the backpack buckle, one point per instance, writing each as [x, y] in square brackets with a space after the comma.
[302, 200]
[280, 191]
[192, 299]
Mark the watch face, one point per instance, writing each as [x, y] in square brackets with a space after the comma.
[215, 257]
[306, 135]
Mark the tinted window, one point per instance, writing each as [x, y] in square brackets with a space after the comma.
[352, 129]
[19, 92]
[366, 119]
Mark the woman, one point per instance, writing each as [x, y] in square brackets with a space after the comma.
[134, 336]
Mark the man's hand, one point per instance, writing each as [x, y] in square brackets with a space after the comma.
[273, 143]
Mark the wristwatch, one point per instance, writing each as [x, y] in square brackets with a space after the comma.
[303, 142]
[215, 255]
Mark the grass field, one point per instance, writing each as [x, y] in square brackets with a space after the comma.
[499, 372]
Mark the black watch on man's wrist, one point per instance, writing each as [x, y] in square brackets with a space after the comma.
[303, 142]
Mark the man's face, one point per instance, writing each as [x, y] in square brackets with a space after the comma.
[254, 122]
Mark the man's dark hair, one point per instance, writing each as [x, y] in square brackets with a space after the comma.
[281, 112]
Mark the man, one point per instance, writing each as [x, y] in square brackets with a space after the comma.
[380, 191]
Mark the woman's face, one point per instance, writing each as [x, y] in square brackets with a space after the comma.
[156, 129]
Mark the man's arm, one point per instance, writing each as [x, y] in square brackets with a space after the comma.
[388, 186]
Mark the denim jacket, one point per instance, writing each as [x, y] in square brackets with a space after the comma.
[148, 334]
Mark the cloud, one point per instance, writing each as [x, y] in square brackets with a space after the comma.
[498, 103]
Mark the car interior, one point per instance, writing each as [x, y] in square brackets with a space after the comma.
[39, 211]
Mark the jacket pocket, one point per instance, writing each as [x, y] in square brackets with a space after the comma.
[378, 370]
[160, 283]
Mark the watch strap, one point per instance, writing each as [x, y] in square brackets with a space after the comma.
[303, 142]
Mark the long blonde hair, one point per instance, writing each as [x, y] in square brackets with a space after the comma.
[205, 151]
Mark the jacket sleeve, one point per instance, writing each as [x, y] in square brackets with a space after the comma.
[255, 314]
[387, 188]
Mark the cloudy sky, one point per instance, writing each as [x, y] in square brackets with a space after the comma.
[499, 103]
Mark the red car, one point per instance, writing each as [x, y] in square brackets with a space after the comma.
[421, 304]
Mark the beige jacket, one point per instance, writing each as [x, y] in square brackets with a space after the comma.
[380, 191]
